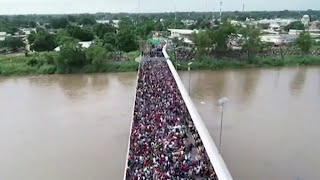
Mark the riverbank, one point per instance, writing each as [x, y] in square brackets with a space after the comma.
[47, 63]
[218, 64]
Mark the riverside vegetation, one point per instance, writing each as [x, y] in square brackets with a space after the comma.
[66, 62]
[114, 49]
[51, 63]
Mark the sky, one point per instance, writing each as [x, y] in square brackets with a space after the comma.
[93, 6]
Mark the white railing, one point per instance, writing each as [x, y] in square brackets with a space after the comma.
[211, 149]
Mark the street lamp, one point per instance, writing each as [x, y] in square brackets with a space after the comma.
[189, 64]
[221, 102]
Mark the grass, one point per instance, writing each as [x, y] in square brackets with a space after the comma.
[133, 55]
[44, 64]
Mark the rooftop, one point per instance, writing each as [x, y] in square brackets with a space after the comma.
[183, 31]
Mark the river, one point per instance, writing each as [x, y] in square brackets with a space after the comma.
[77, 126]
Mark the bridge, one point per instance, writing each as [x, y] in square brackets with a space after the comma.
[168, 139]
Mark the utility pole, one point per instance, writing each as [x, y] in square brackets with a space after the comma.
[139, 7]
[243, 7]
[189, 68]
[175, 14]
[221, 102]
[220, 11]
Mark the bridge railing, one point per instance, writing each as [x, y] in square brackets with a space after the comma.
[211, 149]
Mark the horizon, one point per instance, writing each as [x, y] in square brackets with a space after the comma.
[48, 7]
[160, 12]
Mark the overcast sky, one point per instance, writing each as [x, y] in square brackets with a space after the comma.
[92, 6]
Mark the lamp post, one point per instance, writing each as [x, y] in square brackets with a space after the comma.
[176, 57]
[189, 64]
[221, 102]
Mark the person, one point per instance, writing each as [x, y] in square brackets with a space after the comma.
[160, 145]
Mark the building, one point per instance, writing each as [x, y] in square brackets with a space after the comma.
[103, 21]
[271, 38]
[112, 22]
[3, 36]
[27, 31]
[181, 33]
[295, 32]
[279, 22]
[314, 25]
[84, 44]
[188, 22]
[305, 20]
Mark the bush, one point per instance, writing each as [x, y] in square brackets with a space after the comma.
[47, 69]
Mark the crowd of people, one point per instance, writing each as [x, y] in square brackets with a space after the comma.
[183, 54]
[118, 56]
[187, 55]
[164, 143]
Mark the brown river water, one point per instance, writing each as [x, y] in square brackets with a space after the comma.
[65, 127]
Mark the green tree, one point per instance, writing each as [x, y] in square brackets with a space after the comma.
[143, 30]
[72, 18]
[221, 36]
[101, 29]
[87, 20]
[62, 36]
[83, 34]
[126, 40]
[96, 55]
[202, 42]
[71, 57]
[159, 26]
[31, 37]
[109, 41]
[33, 24]
[251, 41]
[304, 42]
[294, 25]
[58, 23]
[44, 41]
[13, 43]
[125, 23]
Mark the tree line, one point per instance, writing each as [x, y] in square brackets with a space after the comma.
[216, 41]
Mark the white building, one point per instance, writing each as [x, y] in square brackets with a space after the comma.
[188, 22]
[279, 22]
[184, 34]
[181, 33]
[112, 22]
[295, 32]
[305, 20]
[84, 44]
[271, 38]
[103, 21]
[3, 36]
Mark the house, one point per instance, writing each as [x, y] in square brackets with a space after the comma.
[272, 38]
[103, 21]
[278, 21]
[27, 31]
[295, 32]
[188, 22]
[181, 33]
[3, 36]
[84, 44]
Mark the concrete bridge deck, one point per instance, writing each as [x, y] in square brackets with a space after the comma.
[168, 139]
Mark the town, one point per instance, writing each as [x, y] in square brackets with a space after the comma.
[181, 95]
[103, 38]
